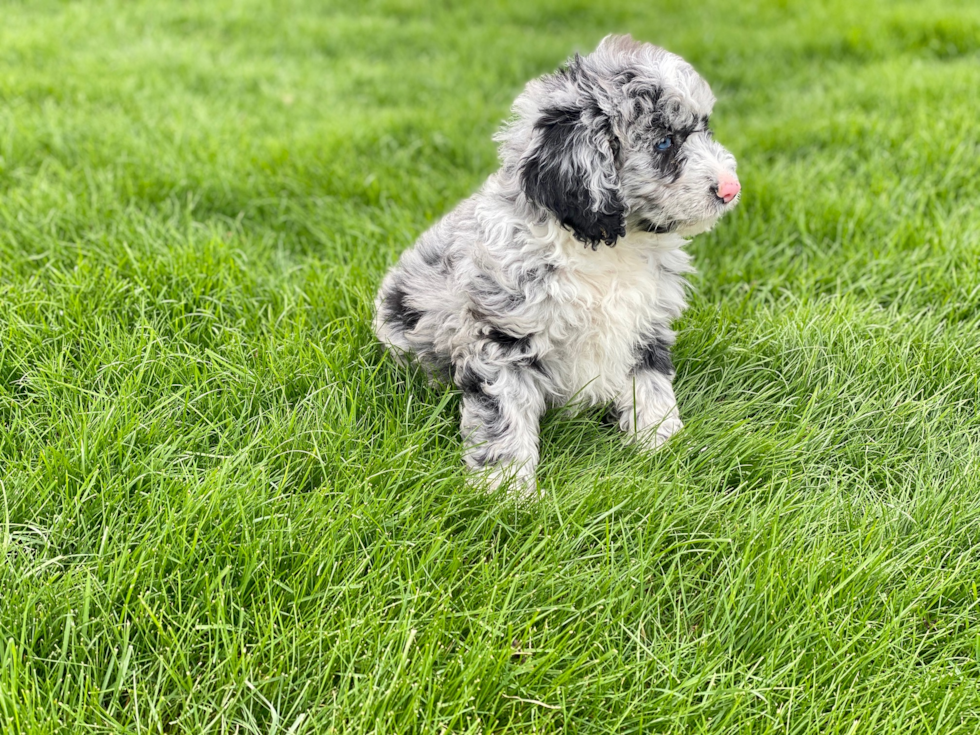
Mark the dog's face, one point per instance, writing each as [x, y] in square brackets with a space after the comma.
[620, 140]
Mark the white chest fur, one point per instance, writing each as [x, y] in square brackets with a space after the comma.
[606, 304]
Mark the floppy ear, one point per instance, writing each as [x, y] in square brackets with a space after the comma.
[569, 169]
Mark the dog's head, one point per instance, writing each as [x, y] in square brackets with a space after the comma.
[618, 140]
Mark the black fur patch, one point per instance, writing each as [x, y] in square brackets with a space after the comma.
[468, 380]
[399, 311]
[553, 175]
[533, 363]
[518, 346]
[655, 356]
[509, 341]
[648, 226]
[472, 385]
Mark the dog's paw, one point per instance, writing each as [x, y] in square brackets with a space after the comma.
[655, 437]
[520, 485]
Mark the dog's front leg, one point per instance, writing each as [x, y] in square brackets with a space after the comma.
[647, 406]
[502, 406]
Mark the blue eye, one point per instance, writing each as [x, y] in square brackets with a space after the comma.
[665, 144]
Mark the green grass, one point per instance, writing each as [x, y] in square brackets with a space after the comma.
[222, 510]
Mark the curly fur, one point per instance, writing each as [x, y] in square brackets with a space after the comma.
[558, 281]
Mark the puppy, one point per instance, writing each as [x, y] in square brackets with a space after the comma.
[558, 281]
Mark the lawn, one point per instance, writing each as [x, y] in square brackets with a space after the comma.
[223, 510]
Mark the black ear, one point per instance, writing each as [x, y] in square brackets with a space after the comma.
[570, 171]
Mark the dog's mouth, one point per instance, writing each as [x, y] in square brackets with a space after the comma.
[688, 227]
[724, 206]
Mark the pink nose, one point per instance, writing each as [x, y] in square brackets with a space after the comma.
[728, 187]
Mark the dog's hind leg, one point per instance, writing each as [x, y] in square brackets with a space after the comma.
[501, 410]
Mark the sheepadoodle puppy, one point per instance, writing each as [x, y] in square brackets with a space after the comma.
[557, 282]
